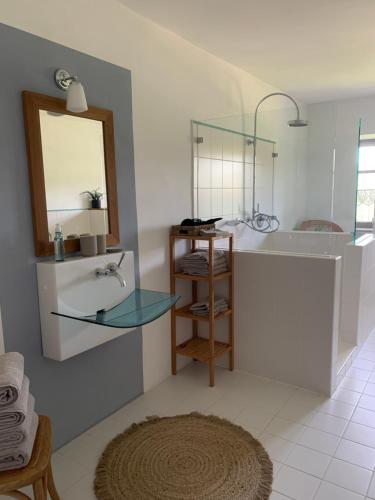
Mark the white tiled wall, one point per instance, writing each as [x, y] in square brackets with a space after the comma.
[354, 309]
[366, 321]
[287, 317]
[350, 297]
[223, 173]
[358, 298]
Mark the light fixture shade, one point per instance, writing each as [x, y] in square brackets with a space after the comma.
[76, 99]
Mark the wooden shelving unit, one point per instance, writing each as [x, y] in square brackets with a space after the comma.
[198, 348]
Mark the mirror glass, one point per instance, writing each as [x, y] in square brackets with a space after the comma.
[74, 173]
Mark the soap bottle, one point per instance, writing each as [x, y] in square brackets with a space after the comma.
[59, 244]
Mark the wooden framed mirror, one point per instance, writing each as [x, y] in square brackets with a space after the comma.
[69, 155]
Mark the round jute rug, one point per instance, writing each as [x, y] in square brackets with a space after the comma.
[187, 457]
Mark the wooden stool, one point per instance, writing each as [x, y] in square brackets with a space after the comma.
[38, 472]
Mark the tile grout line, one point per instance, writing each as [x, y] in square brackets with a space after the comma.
[341, 437]
[276, 414]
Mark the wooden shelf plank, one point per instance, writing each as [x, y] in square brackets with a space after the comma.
[184, 312]
[198, 348]
[193, 277]
[198, 237]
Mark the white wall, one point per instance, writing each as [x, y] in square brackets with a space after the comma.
[173, 82]
[320, 161]
[334, 125]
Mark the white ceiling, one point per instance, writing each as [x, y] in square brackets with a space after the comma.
[316, 49]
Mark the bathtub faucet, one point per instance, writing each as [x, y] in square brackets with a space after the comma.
[263, 222]
[112, 269]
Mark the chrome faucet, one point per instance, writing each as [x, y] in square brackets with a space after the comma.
[112, 270]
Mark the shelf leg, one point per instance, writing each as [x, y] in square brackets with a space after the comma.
[212, 373]
[211, 298]
[231, 292]
[173, 316]
[194, 294]
[173, 343]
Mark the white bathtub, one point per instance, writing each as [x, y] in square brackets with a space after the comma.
[299, 297]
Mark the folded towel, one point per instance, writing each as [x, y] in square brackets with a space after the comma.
[203, 256]
[16, 458]
[204, 265]
[197, 263]
[205, 304]
[11, 377]
[204, 272]
[15, 414]
[11, 438]
[202, 308]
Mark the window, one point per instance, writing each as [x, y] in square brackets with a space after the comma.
[366, 181]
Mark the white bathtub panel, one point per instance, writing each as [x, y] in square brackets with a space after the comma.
[287, 317]
[302, 242]
[308, 242]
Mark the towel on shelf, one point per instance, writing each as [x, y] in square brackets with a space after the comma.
[11, 377]
[203, 308]
[11, 438]
[15, 414]
[197, 263]
[18, 457]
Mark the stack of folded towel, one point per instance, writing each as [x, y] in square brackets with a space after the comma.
[202, 308]
[18, 420]
[197, 263]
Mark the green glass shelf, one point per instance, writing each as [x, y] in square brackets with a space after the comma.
[139, 308]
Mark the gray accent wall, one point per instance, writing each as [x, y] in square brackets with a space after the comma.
[84, 389]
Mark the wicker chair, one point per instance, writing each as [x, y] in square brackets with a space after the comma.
[320, 225]
[37, 473]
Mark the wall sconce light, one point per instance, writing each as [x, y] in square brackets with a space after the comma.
[76, 99]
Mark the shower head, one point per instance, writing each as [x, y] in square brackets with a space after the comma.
[298, 123]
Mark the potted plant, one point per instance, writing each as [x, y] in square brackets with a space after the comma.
[95, 197]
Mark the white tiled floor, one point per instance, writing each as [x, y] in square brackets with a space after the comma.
[322, 449]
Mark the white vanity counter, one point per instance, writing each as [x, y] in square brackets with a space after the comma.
[72, 288]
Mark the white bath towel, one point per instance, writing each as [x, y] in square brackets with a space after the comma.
[11, 377]
[16, 458]
[15, 414]
[14, 437]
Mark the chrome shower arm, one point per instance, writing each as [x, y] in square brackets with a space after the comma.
[255, 134]
[282, 94]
